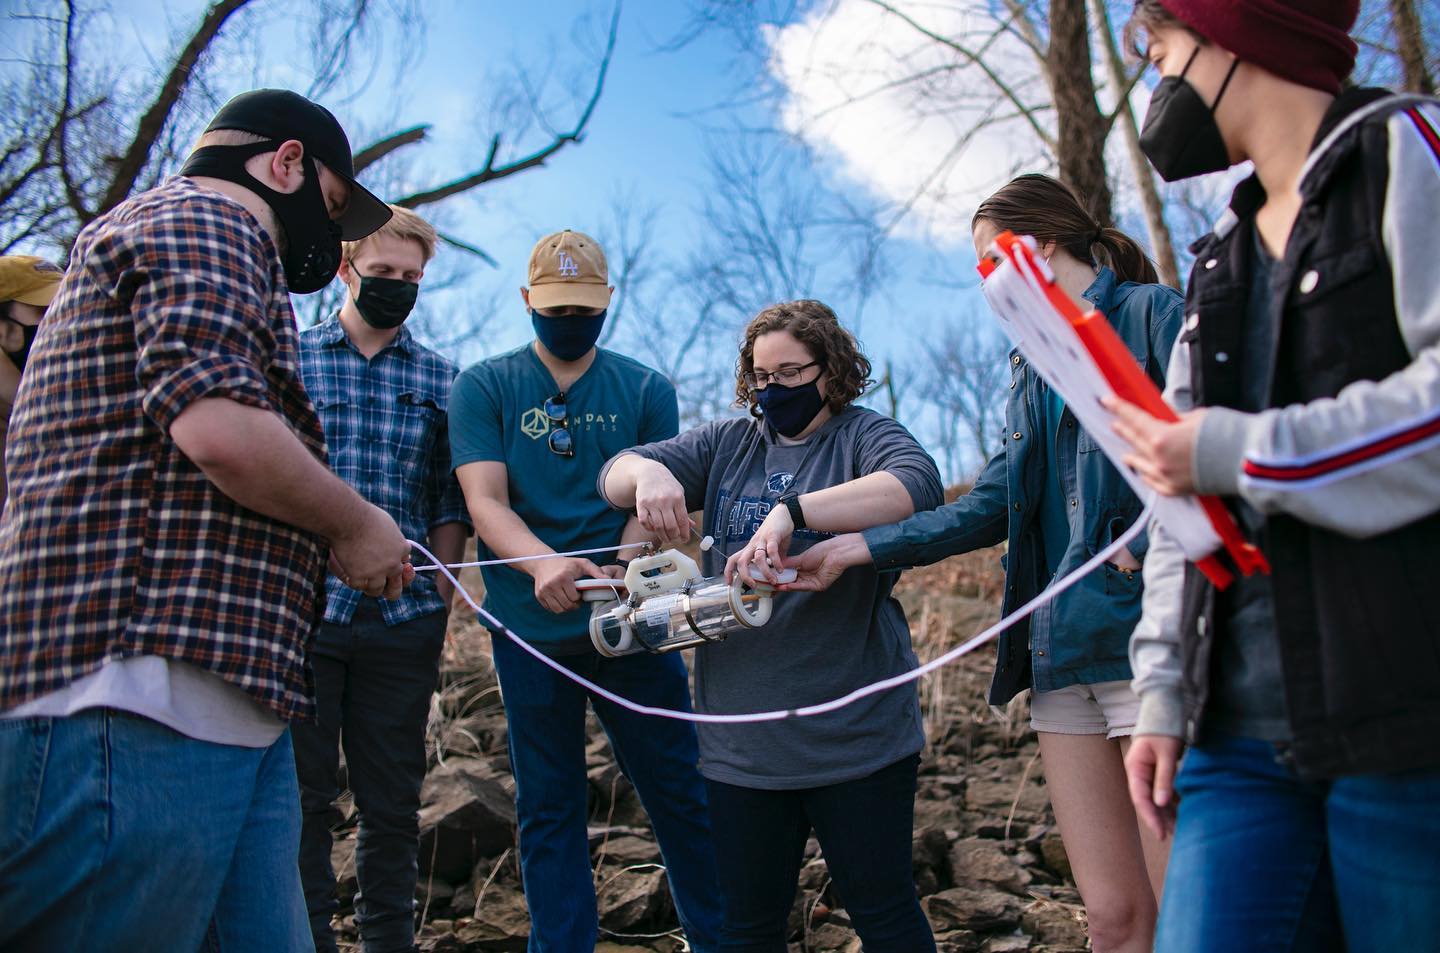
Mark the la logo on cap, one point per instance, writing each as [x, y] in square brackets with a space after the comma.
[568, 269]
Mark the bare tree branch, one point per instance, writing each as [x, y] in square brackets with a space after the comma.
[376, 151]
[147, 131]
[489, 171]
[1022, 26]
[1410, 44]
[475, 250]
[337, 52]
[60, 134]
[632, 234]
[974, 58]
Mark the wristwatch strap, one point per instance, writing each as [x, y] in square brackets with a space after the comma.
[792, 503]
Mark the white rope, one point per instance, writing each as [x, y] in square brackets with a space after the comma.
[516, 559]
[1049, 593]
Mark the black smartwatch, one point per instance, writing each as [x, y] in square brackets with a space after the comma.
[792, 503]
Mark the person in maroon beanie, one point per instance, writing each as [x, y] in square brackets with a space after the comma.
[1308, 380]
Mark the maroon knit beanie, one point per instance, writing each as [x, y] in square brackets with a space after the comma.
[1305, 41]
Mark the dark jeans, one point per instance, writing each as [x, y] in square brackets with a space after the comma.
[1264, 861]
[546, 715]
[372, 684]
[864, 829]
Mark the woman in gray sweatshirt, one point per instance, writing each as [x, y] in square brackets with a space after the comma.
[804, 465]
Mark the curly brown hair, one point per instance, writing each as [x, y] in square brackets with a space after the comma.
[814, 325]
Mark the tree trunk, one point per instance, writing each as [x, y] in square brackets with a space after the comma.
[1080, 143]
[1161, 245]
[1410, 43]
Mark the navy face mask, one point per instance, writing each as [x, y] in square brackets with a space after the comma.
[790, 409]
[570, 337]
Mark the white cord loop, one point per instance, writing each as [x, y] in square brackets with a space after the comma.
[1050, 592]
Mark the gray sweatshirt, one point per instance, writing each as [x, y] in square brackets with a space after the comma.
[817, 646]
[1374, 497]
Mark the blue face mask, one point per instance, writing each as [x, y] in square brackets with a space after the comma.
[568, 338]
[790, 409]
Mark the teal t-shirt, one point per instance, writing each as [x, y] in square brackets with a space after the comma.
[497, 414]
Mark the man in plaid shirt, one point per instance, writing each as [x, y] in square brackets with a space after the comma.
[162, 551]
[381, 398]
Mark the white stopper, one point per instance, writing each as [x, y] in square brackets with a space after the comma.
[706, 543]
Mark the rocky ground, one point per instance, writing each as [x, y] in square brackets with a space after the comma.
[988, 861]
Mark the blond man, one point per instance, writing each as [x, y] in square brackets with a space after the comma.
[381, 397]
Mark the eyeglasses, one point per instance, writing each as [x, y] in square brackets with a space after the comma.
[558, 413]
[785, 376]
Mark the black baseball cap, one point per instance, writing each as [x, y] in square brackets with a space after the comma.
[282, 114]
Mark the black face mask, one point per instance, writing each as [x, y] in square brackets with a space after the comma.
[18, 358]
[312, 241]
[1180, 137]
[385, 303]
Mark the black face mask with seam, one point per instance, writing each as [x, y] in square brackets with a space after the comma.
[385, 303]
[1180, 136]
[311, 254]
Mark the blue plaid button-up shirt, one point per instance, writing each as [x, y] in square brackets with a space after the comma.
[385, 425]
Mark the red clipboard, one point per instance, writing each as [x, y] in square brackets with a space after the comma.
[1130, 382]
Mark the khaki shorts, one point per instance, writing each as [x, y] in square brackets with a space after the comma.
[1105, 708]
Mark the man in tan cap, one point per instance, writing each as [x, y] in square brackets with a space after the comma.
[27, 286]
[529, 433]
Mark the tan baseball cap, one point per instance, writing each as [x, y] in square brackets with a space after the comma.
[29, 280]
[568, 269]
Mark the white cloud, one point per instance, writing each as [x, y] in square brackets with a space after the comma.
[899, 111]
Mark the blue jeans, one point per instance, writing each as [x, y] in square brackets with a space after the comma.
[864, 828]
[1264, 861]
[117, 833]
[546, 715]
[373, 684]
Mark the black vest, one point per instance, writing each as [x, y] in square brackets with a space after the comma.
[1357, 620]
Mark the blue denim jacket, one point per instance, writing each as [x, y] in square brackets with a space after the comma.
[1082, 637]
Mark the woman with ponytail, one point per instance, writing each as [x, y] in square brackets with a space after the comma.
[1057, 500]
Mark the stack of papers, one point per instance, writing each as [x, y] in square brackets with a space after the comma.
[1079, 354]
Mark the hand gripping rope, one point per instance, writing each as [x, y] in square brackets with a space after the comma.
[915, 674]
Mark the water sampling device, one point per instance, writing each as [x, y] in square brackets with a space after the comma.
[664, 604]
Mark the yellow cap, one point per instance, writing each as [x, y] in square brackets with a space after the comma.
[28, 279]
[568, 269]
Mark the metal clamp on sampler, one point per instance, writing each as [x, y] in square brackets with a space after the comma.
[665, 604]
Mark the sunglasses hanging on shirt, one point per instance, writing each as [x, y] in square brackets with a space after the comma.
[558, 414]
